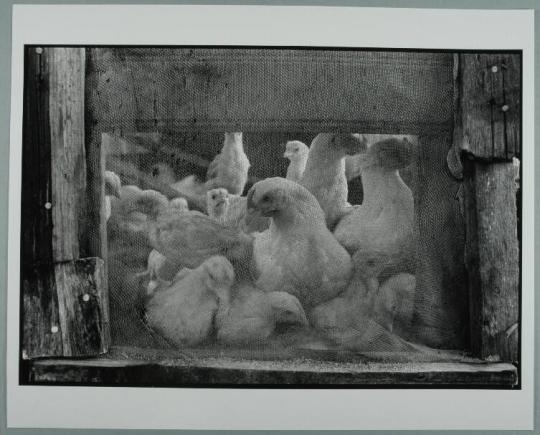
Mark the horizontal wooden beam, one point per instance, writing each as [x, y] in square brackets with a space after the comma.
[287, 374]
[224, 89]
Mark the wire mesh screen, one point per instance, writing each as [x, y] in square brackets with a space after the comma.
[225, 89]
[382, 274]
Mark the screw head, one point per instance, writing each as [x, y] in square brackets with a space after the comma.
[39, 50]
[494, 69]
[48, 205]
[505, 108]
[54, 329]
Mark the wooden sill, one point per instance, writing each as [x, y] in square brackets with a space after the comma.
[229, 368]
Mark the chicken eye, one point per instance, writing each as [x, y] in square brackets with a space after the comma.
[266, 198]
[155, 172]
[214, 196]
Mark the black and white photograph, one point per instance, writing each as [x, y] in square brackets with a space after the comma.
[233, 216]
[217, 223]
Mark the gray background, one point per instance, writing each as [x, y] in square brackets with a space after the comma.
[5, 86]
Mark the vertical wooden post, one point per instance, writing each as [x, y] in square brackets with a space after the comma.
[66, 112]
[487, 126]
[63, 289]
[39, 304]
[492, 258]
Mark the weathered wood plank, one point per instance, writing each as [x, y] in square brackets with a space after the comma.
[40, 336]
[65, 309]
[66, 111]
[182, 89]
[513, 89]
[492, 259]
[36, 219]
[83, 312]
[487, 127]
[487, 88]
[40, 304]
[54, 213]
[223, 372]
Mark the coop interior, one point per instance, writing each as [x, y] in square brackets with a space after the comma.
[165, 117]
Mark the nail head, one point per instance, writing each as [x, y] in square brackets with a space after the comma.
[39, 50]
[494, 69]
[54, 329]
[86, 297]
[48, 205]
[505, 108]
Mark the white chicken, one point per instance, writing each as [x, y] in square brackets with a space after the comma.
[350, 322]
[187, 239]
[394, 303]
[248, 315]
[190, 185]
[297, 152]
[184, 312]
[160, 270]
[112, 189]
[324, 175]
[230, 167]
[382, 227]
[179, 204]
[297, 254]
[231, 210]
[226, 209]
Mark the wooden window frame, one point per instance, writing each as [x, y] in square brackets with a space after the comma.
[65, 298]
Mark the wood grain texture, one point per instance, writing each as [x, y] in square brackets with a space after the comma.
[39, 300]
[180, 89]
[73, 320]
[36, 217]
[487, 89]
[68, 163]
[40, 314]
[492, 259]
[54, 214]
[83, 313]
[301, 372]
[487, 128]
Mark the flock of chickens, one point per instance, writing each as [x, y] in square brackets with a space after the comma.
[292, 254]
